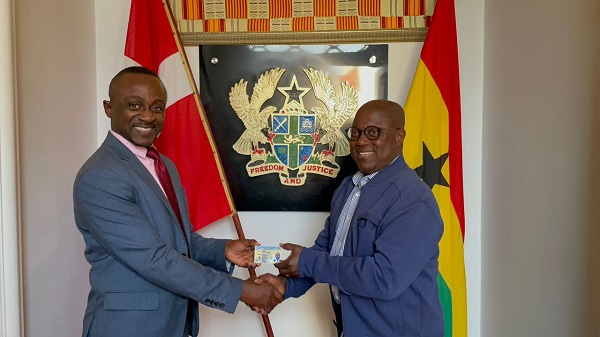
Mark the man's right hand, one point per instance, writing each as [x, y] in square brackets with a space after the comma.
[261, 297]
[279, 282]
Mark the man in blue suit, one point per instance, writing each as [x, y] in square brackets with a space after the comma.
[379, 248]
[149, 270]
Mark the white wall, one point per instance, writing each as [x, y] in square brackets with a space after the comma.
[540, 99]
[10, 298]
[310, 315]
[67, 54]
[541, 189]
[469, 25]
[56, 75]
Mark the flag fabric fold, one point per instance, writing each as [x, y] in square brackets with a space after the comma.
[433, 147]
[151, 43]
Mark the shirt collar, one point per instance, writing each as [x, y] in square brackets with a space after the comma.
[139, 151]
[358, 176]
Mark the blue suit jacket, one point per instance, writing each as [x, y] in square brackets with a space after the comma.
[141, 277]
[388, 273]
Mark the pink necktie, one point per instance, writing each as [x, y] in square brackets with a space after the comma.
[165, 181]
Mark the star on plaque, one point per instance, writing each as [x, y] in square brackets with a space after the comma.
[294, 93]
[431, 170]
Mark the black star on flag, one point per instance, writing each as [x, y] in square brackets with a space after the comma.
[431, 170]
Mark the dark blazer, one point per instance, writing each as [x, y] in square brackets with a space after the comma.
[388, 273]
[141, 277]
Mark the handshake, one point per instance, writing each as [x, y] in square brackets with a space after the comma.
[265, 292]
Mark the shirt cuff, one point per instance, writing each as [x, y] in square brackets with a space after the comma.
[229, 266]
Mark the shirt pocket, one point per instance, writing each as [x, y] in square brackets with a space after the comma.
[368, 221]
[368, 228]
[142, 301]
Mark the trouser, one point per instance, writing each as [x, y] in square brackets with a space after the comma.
[339, 324]
[189, 318]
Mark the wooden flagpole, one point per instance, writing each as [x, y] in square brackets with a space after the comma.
[236, 219]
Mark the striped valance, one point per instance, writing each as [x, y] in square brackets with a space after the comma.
[300, 16]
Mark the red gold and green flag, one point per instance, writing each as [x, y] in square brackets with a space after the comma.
[433, 147]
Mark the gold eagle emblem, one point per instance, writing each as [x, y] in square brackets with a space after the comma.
[249, 110]
[287, 140]
[337, 112]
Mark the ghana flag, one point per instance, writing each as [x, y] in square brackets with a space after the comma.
[433, 148]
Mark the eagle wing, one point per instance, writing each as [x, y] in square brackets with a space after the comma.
[322, 87]
[345, 105]
[238, 98]
[265, 88]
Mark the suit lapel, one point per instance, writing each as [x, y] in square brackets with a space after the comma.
[129, 159]
[382, 177]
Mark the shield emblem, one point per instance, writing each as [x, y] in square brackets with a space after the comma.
[293, 143]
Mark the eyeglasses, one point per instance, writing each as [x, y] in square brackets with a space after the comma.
[370, 132]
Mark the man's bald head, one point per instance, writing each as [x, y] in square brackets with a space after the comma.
[392, 111]
[379, 125]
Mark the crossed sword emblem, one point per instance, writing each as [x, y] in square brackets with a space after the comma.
[280, 123]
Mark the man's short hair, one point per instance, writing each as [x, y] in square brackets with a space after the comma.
[132, 70]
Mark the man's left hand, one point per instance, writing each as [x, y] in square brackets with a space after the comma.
[241, 252]
[289, 266]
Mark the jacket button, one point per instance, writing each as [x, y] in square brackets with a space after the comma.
[222, 305]
[207, 301]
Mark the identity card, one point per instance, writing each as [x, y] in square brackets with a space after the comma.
[268, 254]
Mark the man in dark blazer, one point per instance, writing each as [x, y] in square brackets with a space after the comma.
[149, 270]
[379, 248]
